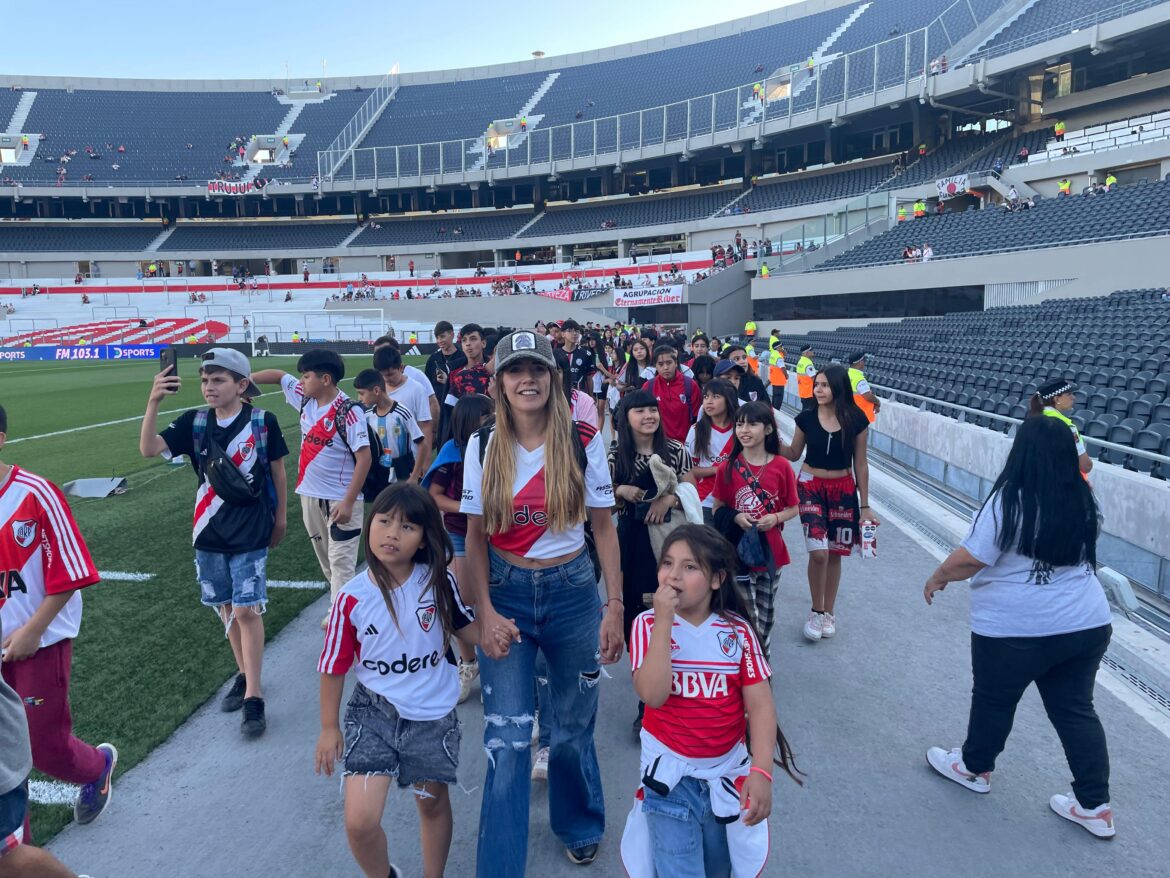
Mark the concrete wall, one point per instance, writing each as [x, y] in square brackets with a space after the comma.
[967, 459]
[721, 304]
[518, 311]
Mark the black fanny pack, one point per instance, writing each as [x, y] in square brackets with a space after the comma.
[226, 479]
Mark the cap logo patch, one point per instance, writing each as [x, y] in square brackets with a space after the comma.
[523, 341]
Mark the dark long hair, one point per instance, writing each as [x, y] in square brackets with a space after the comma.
[758, 412]
[469, 414]
[414, 504]
[626, 447]
[1047, 509]
[717, 557]
[715, 387]
[849, 416]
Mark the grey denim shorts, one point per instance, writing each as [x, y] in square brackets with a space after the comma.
[379, 741]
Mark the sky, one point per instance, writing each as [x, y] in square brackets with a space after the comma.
[119, 38]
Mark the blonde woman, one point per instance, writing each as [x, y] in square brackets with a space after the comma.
[527, 496]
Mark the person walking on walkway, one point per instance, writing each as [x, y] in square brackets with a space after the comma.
[526, 501]
[833, 488]
[1038, 615]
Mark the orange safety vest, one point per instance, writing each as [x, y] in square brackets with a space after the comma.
[804, 383]
[777, 374]
[856, 377]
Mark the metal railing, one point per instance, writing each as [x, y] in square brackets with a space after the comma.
[927, 403]
[995, 49]
[347, 138]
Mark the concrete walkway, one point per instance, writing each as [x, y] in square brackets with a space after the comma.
[860, 711]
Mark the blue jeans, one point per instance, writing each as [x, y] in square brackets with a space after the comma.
[687, 840]
[240, 580]
[558, 612]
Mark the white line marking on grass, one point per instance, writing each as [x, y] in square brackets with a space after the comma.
[52, 792]
[296, 583]
[120, 576]
[112, 423]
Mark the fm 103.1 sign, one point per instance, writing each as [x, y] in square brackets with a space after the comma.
[82, 352]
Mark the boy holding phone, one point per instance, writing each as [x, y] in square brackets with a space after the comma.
[44, 564]
[237, 452]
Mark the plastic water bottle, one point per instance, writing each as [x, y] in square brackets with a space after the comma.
[869, 539]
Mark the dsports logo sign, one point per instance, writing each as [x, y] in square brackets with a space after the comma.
[82, 352]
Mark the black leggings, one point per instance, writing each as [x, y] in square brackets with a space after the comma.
[1064, 669]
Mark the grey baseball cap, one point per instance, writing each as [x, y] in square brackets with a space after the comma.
[233, 361]
[524, 344]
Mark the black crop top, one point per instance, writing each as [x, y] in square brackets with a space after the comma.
[822, 449]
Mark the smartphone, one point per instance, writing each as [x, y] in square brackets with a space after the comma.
[167, 358]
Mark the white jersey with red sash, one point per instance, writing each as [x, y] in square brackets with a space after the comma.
[715, 454]
[325, 467]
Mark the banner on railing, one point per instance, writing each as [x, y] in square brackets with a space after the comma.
[229, 187]
[564, 294]
[639, 298]
[82, 352]
[951, 187]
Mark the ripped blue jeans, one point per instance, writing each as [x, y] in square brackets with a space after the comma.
[558, 612]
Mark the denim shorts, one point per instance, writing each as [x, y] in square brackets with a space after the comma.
[379, 741]
[13, 808]
[240, 580]
[459, 544]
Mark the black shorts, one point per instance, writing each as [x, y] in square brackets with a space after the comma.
[379, 741]
[13, 809]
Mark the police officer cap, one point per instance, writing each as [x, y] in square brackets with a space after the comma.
[857, 357]
[1053, 389]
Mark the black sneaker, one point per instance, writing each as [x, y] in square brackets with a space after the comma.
[234, 699]
[253, 724]
[582, 856]
[95, 797]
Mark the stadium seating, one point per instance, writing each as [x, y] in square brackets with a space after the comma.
[792, 190]
[942, 161]
[18, 237]
[640, 210]
[1008, 149]
[1047, 19]
[165, 330]
[8, 101]
[1106, 135]
[471, 227]
[1128, 212]
[320, 123]
[1116, 348]
[220, 237]
[154, 127]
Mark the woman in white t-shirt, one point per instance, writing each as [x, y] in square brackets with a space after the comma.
[526, 499]
[1038, 615]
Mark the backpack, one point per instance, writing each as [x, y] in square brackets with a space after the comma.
[225, 478]
[378, 476]
[584, 434]
[688, 387]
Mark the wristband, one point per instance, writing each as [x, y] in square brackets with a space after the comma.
[611, 600]
[759, 770]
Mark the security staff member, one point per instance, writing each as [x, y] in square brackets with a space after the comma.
[865, 398]
[1064, 188]
[749, 328]
[1110, 181]
[1055, 400]
[901, 213]
[805, 372]
[919, 208]
[777, 375]
[773, 339]
[1058, 130]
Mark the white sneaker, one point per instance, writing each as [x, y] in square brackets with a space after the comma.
[468, 672]
[949, 763]
[1098, 821]
[828, 625]
[812, 628]
[540, 766]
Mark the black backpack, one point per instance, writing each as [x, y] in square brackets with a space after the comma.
[378, 477]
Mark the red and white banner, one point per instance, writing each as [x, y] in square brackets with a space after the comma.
[229, 187]
[950, 187]
[563, 294]
[639, 298]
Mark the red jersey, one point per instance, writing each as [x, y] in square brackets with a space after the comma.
[778, 486]
[42, 553]
[678, 404]
[703, 717]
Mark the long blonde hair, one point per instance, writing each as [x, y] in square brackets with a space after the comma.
[564, 483]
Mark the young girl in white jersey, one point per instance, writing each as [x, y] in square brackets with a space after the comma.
[711, 438]
[393, 623]
[698, 665]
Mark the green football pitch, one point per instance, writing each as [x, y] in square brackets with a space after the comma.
[149, 653]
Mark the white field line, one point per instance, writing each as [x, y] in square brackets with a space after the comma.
[52, 792]
[121, 576]
[112, 423]
[297, 583]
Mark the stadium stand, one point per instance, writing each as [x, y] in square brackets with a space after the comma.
[631, 211]
[1007, 150]
[1106, 136]
[27, 237]
[9, 98]
[165, 330]
[154, 128]
[1128, 212]
[1047, 19]
[1116, 348]
[942, 161]
[451, 230]
[277, 235]
[319, 123]
[796, 189]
